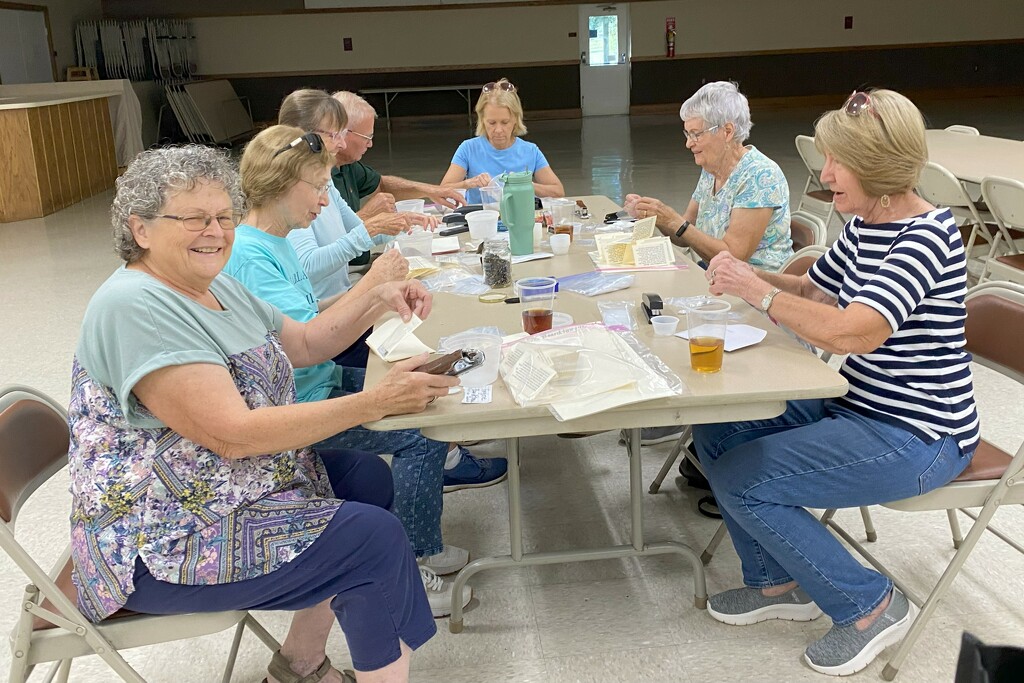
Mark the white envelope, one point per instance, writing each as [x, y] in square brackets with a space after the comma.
[394, 340]
[737, 336]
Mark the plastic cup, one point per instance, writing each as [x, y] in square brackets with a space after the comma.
[706, 324]
[414, 205]
[483, 225]
[560, 244]
[416, 243]
[664, 325]
[490, 197]
[537, 298]
[562, 214]
[490, 345]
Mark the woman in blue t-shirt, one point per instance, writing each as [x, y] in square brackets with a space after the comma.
[498, 147]
[890, 293]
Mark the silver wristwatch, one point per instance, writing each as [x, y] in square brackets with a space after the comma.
[766, 302]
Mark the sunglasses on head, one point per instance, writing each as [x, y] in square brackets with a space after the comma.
[312, 140]
[498, 85]
[857, 103]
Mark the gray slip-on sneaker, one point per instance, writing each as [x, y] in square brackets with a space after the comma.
[745, 606]
[844, 650]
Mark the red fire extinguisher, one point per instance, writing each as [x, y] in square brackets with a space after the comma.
[670, 37]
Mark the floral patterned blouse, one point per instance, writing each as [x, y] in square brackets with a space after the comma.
[140, 490]
[757, 182]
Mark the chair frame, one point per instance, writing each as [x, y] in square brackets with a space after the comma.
[1002, 271]
[955, 496]
[809, 155]
[73, 634]
[940, 187]
[817, 226]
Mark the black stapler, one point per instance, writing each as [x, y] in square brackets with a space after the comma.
[652, 305]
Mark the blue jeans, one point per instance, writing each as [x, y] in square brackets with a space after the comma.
[417, 468]
[817, 454]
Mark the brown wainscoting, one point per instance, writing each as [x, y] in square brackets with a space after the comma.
[807, 74]
[546, 87]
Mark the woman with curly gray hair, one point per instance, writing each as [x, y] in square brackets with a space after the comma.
[194, 487]
[741, 203]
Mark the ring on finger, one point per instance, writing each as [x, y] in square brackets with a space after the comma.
[432, 399]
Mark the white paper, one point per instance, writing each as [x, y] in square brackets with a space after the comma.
[394, 340]
[536, 256]
[477, 394]
[644, 229]
[654, 251]
[737, 336]
[445, 245]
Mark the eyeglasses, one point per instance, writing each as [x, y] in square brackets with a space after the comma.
[697, 135]
[498, 85]
[320, 189]
[312, 140]
[334, 137]
[368, 138]
[857, 103]
[200, 222]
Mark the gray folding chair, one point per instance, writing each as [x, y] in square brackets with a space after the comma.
[1005, 198]
[816, 197]
[807, 230]
[995, 326]
[33, 447]
[941, 188]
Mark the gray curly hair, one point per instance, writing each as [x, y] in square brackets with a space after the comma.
[719, 103]
[156, 174]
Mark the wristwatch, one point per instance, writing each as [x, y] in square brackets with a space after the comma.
[766, 302]
[682, 228]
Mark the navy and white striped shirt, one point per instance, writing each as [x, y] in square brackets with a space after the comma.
[914, 273]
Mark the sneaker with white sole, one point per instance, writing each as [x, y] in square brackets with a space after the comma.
[745, 606]
[450, 560]
[472, 472]
[844, 650]
[439, 593]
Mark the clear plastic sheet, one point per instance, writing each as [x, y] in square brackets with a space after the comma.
[683, 304]
[584, 369]
[455, 279]
[595, 282]
[444, 345]
[617, 314]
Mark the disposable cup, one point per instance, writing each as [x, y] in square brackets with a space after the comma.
[490, 197]
[537, 295]
[490, 345]
[664, 325]
[706, 324]
[416, 243]
[414, 205]
[483, 225]
[560, 244]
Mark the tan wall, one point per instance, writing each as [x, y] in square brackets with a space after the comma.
[754, 25]
[313, 42]
[426, 38]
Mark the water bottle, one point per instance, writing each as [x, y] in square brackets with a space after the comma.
[517, 211]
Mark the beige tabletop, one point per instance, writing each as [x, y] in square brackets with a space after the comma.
[755, 382]
[973, 157]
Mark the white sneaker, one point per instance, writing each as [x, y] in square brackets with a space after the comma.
[450, 560]
[439, 593]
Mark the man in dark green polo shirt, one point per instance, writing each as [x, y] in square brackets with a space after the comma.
[357, 181]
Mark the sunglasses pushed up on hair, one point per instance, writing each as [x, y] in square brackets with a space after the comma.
[312, 140]
[857, 103]
[498, 85]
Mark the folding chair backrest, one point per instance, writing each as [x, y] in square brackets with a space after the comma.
[941, 188]
[1005, 199]
[962, 129]
[34, 443]
[806, 229]
[995, 326]
[800, 262]
[812, 158]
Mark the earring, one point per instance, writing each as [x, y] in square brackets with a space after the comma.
[885, 201]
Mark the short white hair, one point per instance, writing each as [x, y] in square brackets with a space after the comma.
[357, 108]
[719, 103]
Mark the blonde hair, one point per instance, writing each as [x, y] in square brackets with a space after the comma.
[501, 98]
[266, 177]
[883, 146]
[309, 109]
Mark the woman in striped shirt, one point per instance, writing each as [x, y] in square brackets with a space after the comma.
[890, 293]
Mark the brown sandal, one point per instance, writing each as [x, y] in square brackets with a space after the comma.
[280, 668]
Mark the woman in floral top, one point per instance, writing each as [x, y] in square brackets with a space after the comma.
[194, 487]
[741, 202]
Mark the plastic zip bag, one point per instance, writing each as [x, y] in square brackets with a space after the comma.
[595, 282]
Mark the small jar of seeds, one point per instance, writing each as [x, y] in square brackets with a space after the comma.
[497, 264]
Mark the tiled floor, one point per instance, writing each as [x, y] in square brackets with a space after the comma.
[619, 620]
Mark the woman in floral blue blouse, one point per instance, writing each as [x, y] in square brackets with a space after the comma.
[194, 488]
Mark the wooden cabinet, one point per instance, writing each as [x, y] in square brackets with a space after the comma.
[53, 155]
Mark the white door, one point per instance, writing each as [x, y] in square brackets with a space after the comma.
[604, 59]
